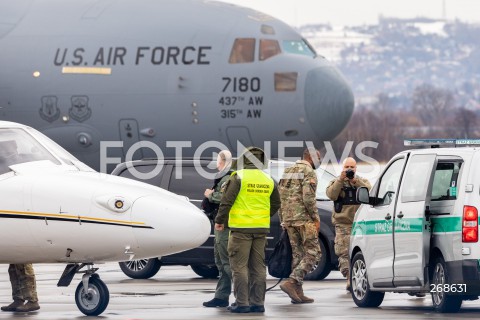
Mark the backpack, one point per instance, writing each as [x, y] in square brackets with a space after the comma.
[280, 261]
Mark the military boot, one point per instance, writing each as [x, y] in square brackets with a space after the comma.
[29, 306]
[302, 297]
[289, 286]
[14, 305]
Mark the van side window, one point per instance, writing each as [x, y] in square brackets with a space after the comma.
[445, 181]
[389, 183]
[243, 51]
[417, 177]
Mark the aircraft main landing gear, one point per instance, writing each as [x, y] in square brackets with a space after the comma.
[92, 295]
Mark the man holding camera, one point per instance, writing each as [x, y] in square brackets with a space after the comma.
[343, 192]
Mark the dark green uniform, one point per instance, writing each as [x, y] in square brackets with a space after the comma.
[224, 284]
[246, 246]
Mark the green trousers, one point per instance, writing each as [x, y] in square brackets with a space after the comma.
[224, 284]
[247, 261]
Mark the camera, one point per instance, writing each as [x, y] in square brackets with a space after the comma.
[350, 174]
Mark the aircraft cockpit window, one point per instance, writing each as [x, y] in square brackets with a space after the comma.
[63, 154]
[243, 51]
[268, 49]
[267, 29]
[286, 81]
[17, 146]
[298, 47]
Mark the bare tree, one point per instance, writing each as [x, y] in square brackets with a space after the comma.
[432, 104]
[465, 121]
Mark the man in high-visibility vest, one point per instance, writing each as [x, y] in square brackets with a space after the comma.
[249, 200]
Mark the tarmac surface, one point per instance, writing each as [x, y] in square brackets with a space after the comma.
[176, 292]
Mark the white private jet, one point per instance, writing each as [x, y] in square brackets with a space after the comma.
[55, 209]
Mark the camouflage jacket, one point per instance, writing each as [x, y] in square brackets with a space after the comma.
[335, 190]
[298, 188]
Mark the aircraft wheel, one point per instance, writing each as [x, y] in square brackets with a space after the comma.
[95, 301]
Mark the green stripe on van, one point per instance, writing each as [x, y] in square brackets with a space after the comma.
[446, 224]
[377, 227]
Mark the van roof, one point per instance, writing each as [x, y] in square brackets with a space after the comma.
[437, 143]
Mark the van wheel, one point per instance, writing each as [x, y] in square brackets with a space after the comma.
[443, 302]
[205, 270]
[323, 268]
[141, 269]
[361, 293]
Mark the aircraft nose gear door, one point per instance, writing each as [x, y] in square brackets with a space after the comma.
[129, 135]
[240, 134]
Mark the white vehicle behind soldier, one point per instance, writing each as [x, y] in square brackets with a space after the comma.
[418, 230]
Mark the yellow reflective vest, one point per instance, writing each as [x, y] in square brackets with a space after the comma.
[251, 208]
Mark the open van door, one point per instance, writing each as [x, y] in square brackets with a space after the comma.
[411, 225]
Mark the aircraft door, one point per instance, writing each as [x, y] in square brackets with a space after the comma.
[379, 217]
[239, 134]
[129, 135]
[411, 228]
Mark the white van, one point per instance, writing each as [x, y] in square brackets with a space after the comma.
[417, 230]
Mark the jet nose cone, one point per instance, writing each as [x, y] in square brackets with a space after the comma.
[170, 224]
[328, 102]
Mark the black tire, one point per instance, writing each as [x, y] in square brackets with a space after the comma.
[361, 293]
[442, 302]
[205, 271]
[96, 300]
[323, 268]
[141, 269]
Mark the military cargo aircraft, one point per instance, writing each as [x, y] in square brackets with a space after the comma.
[55, 209]
[86, 71]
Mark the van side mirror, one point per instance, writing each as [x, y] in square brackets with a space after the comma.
[363, 196]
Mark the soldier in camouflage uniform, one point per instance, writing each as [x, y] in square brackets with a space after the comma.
[343, 192]
[214, 195]
[299, 216]
[24, 288]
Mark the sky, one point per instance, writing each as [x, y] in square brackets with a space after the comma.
[357, 12]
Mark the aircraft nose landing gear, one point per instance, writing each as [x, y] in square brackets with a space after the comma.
[92, 295]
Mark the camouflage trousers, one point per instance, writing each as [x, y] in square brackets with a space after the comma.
[23, 282]
[305, 249]
[342, 242]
